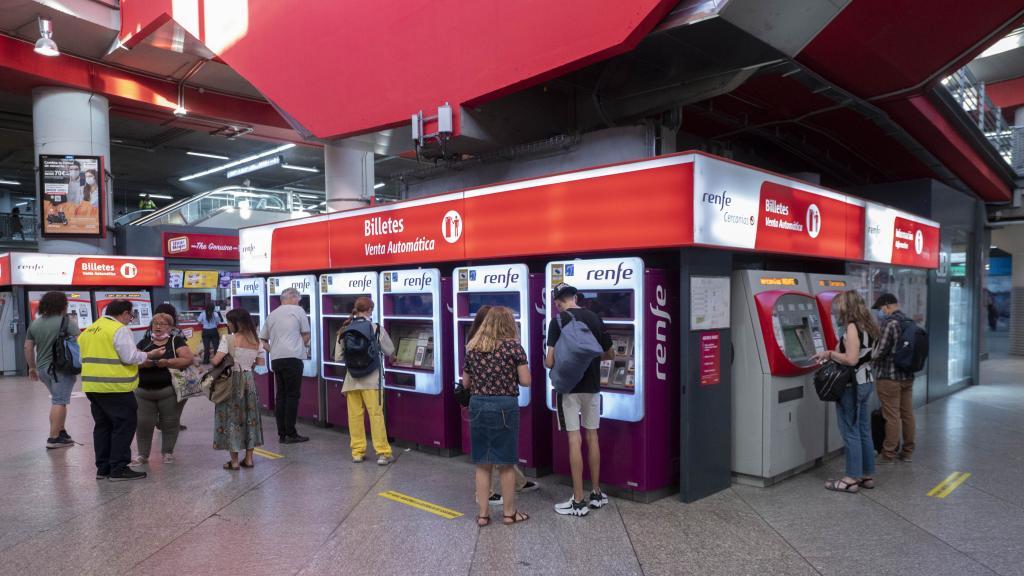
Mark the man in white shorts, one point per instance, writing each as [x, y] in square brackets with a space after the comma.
[581, 407]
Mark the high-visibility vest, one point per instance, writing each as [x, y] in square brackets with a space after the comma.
[102, 370]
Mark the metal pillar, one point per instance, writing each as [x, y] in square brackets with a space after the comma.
[348, 175]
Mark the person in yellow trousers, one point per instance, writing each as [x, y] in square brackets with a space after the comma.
[110, 375]
[361, 344]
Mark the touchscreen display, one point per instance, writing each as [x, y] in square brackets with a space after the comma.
[412, 304]
[340, 304]
[477, 299]
[250, 304]
[608, 304]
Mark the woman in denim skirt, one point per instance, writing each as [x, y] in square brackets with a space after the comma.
[854, 349]
[495, 368]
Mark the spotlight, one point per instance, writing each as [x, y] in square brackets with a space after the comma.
[45, 45]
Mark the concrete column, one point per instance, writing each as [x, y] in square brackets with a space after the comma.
[1018, 116]
[348, 175]
[68, 121]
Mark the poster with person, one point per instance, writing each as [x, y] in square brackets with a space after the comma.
[72, 190]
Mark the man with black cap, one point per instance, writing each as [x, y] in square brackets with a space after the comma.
[582, 406]
[894, 386]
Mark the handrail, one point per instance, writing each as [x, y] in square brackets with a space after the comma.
[204, 205]
[969, 92]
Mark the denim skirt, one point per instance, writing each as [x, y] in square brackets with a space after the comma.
[494, 429]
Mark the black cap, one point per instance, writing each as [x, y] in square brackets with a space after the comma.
[563, 290]
[884, 300]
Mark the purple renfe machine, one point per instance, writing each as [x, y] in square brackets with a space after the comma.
[512, 286]
[338, 295]
[639, 431]
[309, 402]
[250, 294]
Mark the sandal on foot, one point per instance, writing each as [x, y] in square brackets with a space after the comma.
[868, 483]
[516, 518]
[229, 466]
[842, 486]
[244, 465]
[482, 521]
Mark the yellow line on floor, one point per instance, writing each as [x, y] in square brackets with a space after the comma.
[952, 482]
[441, 511]
[267, 454]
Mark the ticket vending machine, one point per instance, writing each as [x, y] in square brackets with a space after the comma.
[825, 288]
[777, 417]
[250, 294]
[420, 407]
[309, 402]
[639, 434]
[512, 286]
[338, 294]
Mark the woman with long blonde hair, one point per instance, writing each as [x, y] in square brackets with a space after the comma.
[859, 333]
[495, 368]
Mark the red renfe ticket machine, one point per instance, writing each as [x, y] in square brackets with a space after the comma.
[250, 294]
[777, 417]
[309, 402]
[420, 403]
[338, 294]
[509, 285]
[639, 433]
[825, 288]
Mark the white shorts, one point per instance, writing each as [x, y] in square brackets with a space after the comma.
[577, 409]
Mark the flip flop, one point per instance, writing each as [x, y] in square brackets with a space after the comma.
[228, 466]
[244, 465]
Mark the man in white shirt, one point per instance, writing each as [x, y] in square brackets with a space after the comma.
[285, 335]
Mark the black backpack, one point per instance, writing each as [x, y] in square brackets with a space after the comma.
[362, 347]
[66, 356]
[911, 349]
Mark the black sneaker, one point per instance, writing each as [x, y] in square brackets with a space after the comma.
[126, 473]
[182, 427]
[102, 475]
[530, 486]
[295, 439]
[495, 500]
[598, 500]
[59, 442]
[64, 434]
[572, 508]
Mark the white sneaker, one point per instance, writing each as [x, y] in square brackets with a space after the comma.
[598, 500]
[358, 459]
[140, 460]
[168, 458]
[572, 508]
[383, 460]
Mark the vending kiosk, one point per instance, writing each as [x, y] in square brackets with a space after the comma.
[825, 288]
[250, 294]
[420, 405]
[512, 286]
[640, 387]
[142, 308]
[338, 294]
[309, 402]
[79, 306]
[777, 417]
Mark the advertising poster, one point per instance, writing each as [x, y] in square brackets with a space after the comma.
[72, 193]
[201, 279]
[142, 307]
[79, 306]
[175, 278]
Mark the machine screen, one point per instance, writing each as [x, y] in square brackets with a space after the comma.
[412, 304]
[304, 302]
[797, 329]
[608, 304]
[414, 344]
[796, 343]
[250, 304]
[477, 299]
[619, 374]
[340, 303]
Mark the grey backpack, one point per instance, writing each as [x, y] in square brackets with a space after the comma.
[575, 349]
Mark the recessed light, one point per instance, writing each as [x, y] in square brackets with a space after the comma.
[207, 155]
[223, 167]
[300, 168]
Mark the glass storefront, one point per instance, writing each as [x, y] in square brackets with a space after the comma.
[961, 309]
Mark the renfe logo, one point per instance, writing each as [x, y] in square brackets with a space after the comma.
[361, 284]
[422, 281]
[251, 286]
[300, 285]
[503, 279]
[813, 221]
[662, 326]
[129, 270]
[611, 274]
[177, 245]
[721, 200]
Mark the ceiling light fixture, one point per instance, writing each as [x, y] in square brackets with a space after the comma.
[300, 168]
[45, 46]
[10, 182]
[205, 155]
[378, 185]
[222, 167]
[20, 204]
[157, 196]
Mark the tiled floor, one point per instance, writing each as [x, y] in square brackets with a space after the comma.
[315, 512]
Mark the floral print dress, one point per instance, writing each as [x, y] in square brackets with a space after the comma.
[237, 421]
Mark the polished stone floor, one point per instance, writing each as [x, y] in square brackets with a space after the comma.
[315, 512]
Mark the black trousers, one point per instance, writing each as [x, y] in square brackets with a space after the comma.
[211, 340]
[115, 416]
[288, 381]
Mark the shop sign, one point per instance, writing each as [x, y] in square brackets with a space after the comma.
[71, 270]
[200, 246]
[895, 237]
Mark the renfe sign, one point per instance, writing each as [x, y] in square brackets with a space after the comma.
[202, 246]
[669, 201]
[28, 269]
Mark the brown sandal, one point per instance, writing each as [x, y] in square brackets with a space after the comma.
[516, 518]
[868, 483]
[482, 521]
[842, 486]
[228, 466]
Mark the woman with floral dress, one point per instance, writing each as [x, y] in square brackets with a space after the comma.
[237, 423]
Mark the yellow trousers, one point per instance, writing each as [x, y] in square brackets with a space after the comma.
[359, 403]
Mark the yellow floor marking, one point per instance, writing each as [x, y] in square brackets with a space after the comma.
[268, 454]
[441, 511]
[952, 482]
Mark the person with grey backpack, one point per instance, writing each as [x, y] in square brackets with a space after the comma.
[577, 342]
[49, 336]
